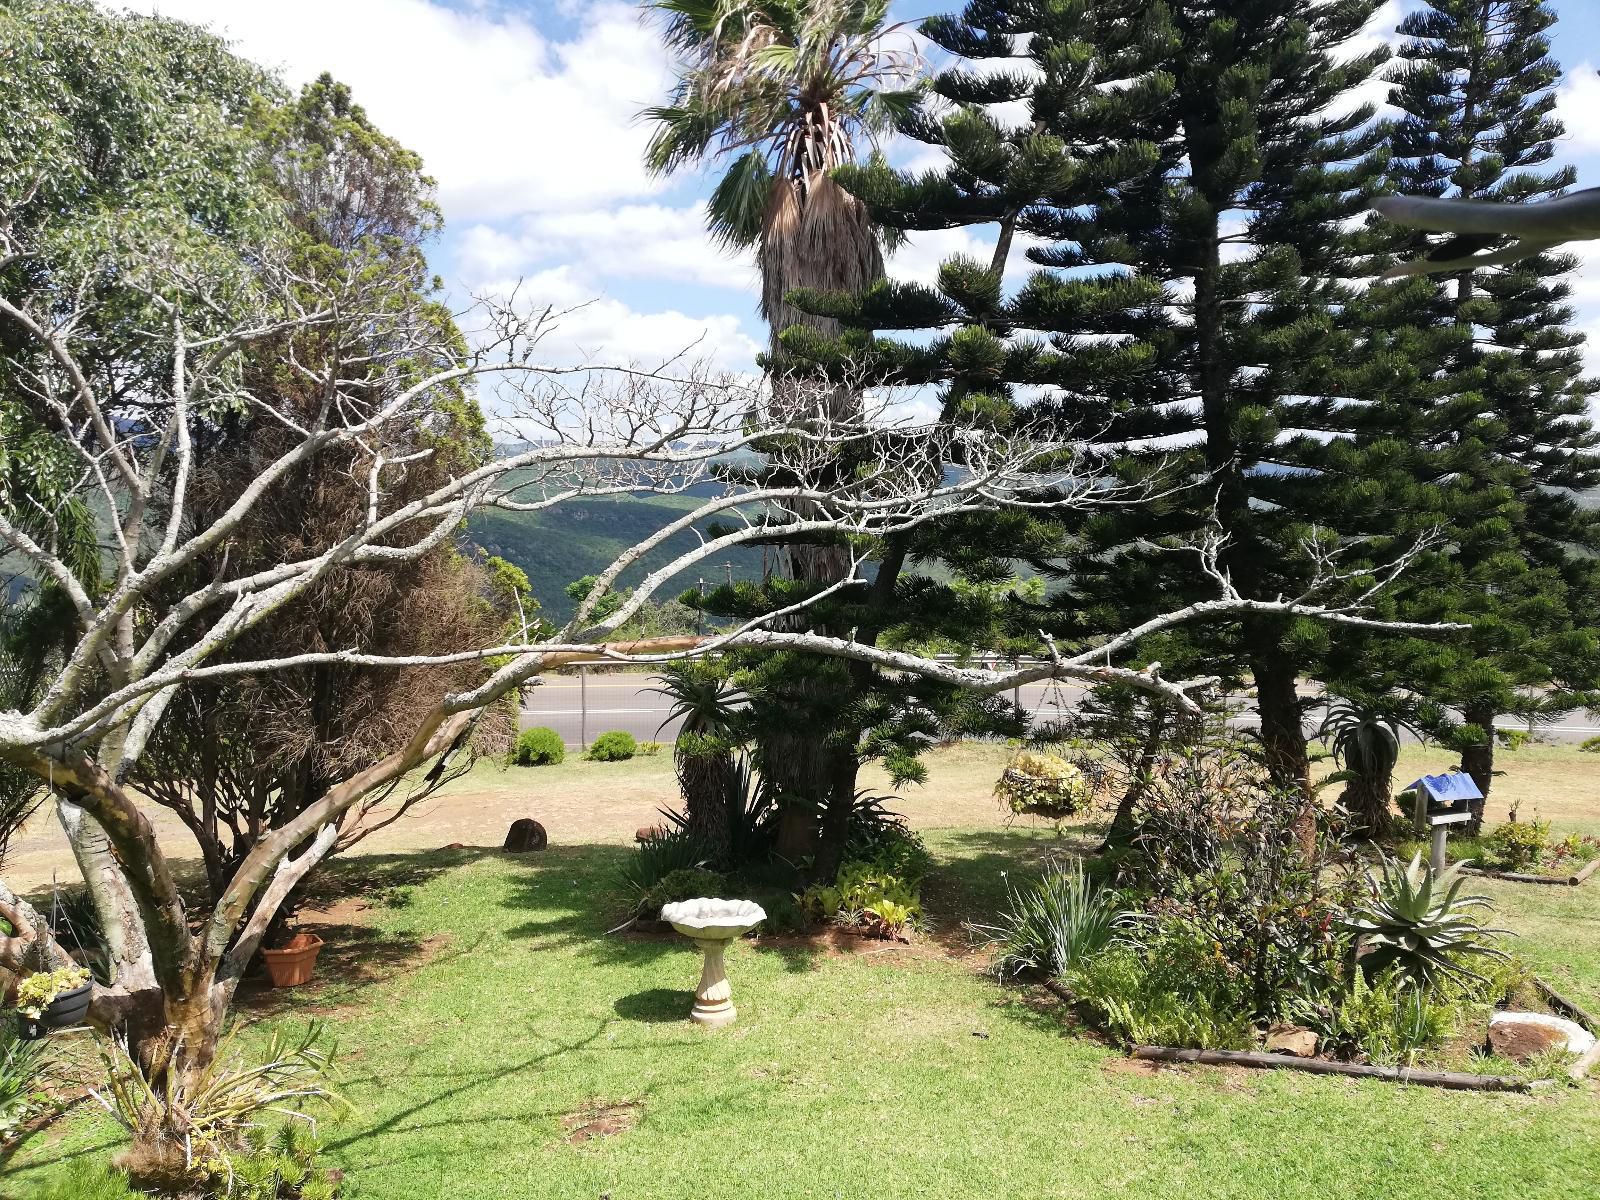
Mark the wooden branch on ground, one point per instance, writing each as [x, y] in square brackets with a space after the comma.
[1463, 1081]
[1548, 880]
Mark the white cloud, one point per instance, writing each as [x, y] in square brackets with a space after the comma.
[594, 327]
[508, 121]
[636, 241]
[1576, 102]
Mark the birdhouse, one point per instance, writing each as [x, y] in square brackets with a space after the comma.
[1445, 799]
[1442, 801]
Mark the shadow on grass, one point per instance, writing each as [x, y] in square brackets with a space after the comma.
[655, 1006]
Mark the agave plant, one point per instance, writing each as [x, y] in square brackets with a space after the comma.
[1420, 924]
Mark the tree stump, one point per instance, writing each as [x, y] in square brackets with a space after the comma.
[526, 834]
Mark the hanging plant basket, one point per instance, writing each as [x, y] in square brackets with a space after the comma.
[1044, 785]
[291, 964]
[68, 1009]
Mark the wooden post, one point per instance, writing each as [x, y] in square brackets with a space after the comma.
[583, 707]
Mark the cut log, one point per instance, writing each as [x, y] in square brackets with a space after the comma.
[1457, 1080]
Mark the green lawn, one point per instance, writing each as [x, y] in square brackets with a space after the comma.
[493, 1009]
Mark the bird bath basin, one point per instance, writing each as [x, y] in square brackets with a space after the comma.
[711, 924]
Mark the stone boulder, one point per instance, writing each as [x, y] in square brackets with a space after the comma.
[526, 834]
[1520, 1035]
[648, 833]
[1292, 1039]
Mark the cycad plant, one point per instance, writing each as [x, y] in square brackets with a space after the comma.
[1366, 746]
[786, 89]
[709, 706]
[1420, 924]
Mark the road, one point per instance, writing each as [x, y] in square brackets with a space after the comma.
[624, 700]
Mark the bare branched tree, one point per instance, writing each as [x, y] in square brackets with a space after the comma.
[153, 624]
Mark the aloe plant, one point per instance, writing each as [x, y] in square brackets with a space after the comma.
[1420, 924]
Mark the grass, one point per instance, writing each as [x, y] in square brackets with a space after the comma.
[902, 1073]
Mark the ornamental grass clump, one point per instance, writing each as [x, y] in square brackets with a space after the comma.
[1052, 924]
[1044, 785]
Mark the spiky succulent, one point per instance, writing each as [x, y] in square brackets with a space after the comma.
[1420, 924]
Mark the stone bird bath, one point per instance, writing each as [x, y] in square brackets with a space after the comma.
[712, 924]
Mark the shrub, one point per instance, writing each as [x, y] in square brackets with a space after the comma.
[1053, 923]
[1515, 846]
[1420, 925]
[1592, 745]
[1175, 990]
[1044, 785]
[1219, 848]
[867, 896]
[1576, 849]
[1389, 1020]
[278, 1166]
[686, 883]
[654, 858]
[649, 749]
[538, 747]
[616, 745]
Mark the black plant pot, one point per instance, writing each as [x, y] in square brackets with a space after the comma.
[66, 1010]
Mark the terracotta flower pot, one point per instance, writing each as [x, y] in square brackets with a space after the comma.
[291, 965]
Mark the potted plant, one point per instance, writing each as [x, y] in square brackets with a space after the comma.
[49, 1000]
[290, 963]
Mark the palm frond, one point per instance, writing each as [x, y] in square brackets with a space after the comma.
[739, 202]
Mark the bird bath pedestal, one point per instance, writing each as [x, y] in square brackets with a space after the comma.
[711, 925]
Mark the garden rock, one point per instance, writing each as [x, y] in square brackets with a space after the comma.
[647, 833]
[1292, 1039]
[526, 834]
[1521, 1036]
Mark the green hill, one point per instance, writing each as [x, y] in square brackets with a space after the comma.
[582, 537]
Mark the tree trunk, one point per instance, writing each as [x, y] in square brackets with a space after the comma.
[1122, 821]
[703, 781]
[1477, 760]
[1283, 740]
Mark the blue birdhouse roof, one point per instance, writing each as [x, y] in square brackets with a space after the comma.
[1449, 788]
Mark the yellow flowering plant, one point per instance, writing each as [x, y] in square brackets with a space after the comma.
[1045, 785]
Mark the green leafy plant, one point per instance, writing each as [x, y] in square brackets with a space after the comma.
[686, 883]
[1420, 925]
[538, 747]
[1052, 924]
[35, 993]
[1515, 845]
[867, 896]
[1389, 1019]
[1175, 988]
[656, 857]
[650, 749]
[280, 1165]
[1575, 849]
[1590, 745]
[1365, 740]
[24, 1067]
[615, 745]
[1044, 785]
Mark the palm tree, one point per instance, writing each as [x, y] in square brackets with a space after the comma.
[784, 92]
[787, 89]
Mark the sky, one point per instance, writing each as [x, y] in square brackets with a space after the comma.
[526, 114]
